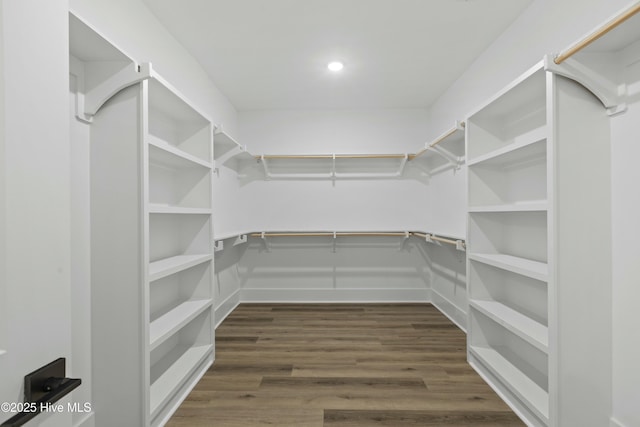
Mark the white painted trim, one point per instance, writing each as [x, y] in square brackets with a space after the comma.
[457, 314]
[391, 295]
[88, 421]
[226, 307]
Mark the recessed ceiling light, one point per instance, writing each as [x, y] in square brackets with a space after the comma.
[335, 66]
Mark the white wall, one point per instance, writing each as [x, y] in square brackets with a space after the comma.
[3, 239]
[80, 251]
[550, 26]
[35, 165]
[319, 269]
[625, 252]
[377, 204]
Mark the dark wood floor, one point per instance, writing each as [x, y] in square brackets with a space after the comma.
[294, 365]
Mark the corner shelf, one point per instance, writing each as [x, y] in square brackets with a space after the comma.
[526, 267]
[165, 154]
[183, 364]
[536, 398]
[174, 320]
[527, 206]
[522, 148]
[168, 209]
[526, 328]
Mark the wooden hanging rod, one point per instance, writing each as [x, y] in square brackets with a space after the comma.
[362, 156]
[597, 34]
[331, 156]
[357, 234]
[330, 234]
[438, 239]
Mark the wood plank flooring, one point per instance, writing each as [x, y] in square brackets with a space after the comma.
[341, 365]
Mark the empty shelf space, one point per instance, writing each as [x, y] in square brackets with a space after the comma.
[164, 267]
[529, 206]
[529, 145]
[184, 366]
[168, 209]
[168, 155]
[536, 398]
[172, 321]
[526, 328]
[526, 267]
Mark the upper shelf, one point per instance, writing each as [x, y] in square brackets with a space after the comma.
[432, 159]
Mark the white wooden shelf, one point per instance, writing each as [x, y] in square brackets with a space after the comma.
[165, 267]
[223, 143]
[525, 327]
[171, 322]
[165, 154]
[536, 398]
[529, 145]
[168, 209]
[529, 206]
[526, 267]
[165, 386]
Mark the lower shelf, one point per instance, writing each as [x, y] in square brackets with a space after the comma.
[526, 328]
[182, 365]
[165, 267]
[526, 390]
[526, 267]
[172, 321]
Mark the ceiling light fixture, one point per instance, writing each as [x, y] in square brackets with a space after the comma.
[335, 66]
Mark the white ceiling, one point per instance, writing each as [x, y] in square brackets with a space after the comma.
[272, 54]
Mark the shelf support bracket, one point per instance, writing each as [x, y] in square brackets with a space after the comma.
[333, 168]
[611, 95]
[454, 161]
[218, 245]
[403, 163]
[405, 239]
[88, 102]
[240, 239]
[265, 241]
[267, 173]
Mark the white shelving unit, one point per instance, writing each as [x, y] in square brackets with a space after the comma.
[151, 237]
[179, 143]
[530, 198]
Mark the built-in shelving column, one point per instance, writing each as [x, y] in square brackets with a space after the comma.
[179, 147]
[539, 259]
[507, 244]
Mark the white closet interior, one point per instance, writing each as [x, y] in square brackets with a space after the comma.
[204, 221]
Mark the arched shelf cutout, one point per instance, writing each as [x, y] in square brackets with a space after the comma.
[100, 69]
[599, 60]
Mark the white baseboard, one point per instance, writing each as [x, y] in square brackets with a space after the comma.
[446, 307]
[226, 307]
[89, 420]
[335, 295]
